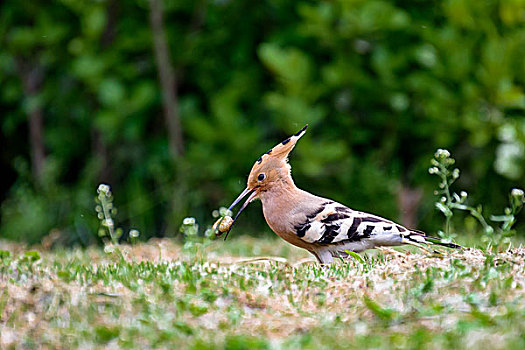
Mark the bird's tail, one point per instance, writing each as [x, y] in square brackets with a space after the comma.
[418, 238]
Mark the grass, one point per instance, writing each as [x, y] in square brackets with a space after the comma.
[156, 295]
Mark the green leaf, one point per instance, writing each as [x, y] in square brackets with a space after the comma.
[385, 314]
[31, 256]
[356, 256]
[106, 333]
[94, 21]
[198, 309]
[444, 209]
[111, 92]
[4, 254]
[501, 218]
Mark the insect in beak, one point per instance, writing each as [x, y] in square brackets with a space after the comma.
[252, 194]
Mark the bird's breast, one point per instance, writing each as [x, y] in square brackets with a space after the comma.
[282, 216]
[277, 219]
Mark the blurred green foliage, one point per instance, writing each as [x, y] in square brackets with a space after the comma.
[381, 83]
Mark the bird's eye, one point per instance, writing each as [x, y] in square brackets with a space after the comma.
[261, 177]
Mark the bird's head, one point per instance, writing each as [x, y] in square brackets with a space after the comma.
[270, 169]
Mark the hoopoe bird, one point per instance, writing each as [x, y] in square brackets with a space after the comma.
[325, 228]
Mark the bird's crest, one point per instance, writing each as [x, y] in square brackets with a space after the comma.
[281, 150]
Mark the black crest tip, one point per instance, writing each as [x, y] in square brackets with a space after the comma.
[300, 131]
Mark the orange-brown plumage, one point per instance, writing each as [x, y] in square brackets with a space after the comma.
[324, 227]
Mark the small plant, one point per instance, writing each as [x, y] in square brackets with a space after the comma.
[193, 242]
[133, 236]
[442, 163]
[508, 219]
[105, 213]
[442, 166]
[190, 230]
[5, 255]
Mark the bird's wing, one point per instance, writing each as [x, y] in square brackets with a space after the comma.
[333, 222]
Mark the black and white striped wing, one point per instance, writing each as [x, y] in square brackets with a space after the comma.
[332, 222]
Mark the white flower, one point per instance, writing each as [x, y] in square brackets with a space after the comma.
[224, 211]
[517, 197]
[134, 233]
[103, 188]
[188, 221]
[442, 153]
[517, 192]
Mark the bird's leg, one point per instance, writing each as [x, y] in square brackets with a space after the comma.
[324, 257]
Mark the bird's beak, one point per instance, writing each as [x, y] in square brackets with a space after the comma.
[252, 194]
